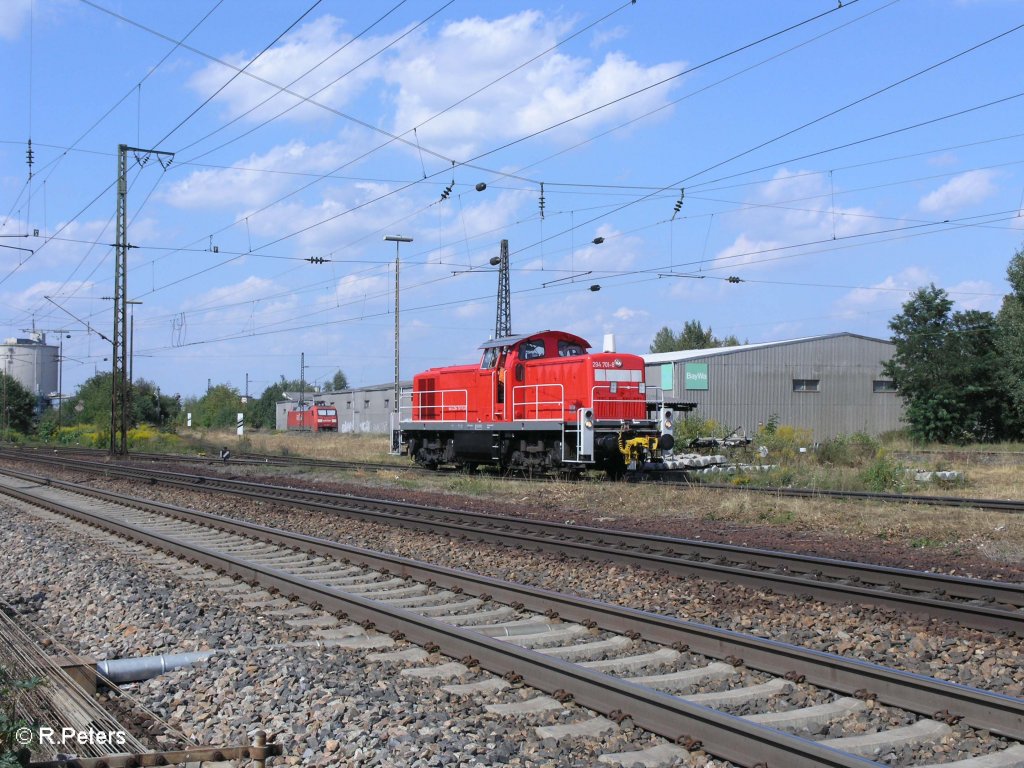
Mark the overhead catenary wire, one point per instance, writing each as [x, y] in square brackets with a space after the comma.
[552, 205]
[563, 122]
[471, 163]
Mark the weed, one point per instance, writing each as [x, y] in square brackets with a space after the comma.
[884, 475]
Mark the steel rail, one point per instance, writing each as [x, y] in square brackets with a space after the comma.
[979, 604]
[727, 736]
[920, 694]
[994, 505]
[991, 505]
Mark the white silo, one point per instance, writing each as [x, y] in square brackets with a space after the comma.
[33, 363]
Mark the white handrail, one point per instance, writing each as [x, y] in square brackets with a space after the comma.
[450, 404]
[537, 403]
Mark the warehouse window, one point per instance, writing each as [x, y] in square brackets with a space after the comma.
[366, 403]
[387, 403]
[348, 405]
[806, 385]
[883, 385]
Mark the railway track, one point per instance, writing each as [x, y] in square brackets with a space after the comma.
[1012, 506]
[621, 663]
[983, 604]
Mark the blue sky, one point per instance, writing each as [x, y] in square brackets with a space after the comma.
[832, 158]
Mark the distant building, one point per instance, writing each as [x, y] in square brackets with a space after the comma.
[34, 364]
[363, 409]
[831, 384]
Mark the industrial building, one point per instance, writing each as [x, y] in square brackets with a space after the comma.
[34, 364]
[831, 384]
[366, 409]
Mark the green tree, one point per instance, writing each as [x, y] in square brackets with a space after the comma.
[217, 409]
[262, 412]
[19, 404]
[944, 366]
[693, 336]
[91, 402]
[1010, 338]
[150, 406]
[338, 381]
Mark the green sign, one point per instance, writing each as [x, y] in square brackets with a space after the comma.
[696, 375]
[666, 377]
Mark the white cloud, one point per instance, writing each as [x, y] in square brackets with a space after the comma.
[554, 88]
[743, 251]
[244, 186]
[27, 298]
[976, 294]
[13, 17]
[629, 313]
[617, 252]
[887, 295]
[795, 207]
[250, 289]
[961, 191]
[472, 309]
[317, 44]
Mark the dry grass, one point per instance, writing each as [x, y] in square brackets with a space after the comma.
[998, 535]
[338, 446]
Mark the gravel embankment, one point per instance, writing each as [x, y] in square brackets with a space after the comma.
[108, 598]
[931, 647]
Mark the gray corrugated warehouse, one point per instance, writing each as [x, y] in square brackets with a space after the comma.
[366, 409]
[831, 384]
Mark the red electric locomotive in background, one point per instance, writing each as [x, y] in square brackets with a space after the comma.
[313, 417]
[537, 402]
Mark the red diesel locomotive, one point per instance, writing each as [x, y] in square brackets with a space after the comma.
[537, 402]
[313, 417]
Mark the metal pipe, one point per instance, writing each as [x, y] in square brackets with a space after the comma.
[143, 668]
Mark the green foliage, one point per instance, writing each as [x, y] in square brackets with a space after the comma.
[1010, 340]
[693, 426]
[884, 475]
[13, 753]
[692, 336]
[19, 403]
[91, 402]
[946, 368]
[337, 382]
[262, 412]
[217, 409]
[846, 450]
[150, 406]
[785, 443]
[90, 406]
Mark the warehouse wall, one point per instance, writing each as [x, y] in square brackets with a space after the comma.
[367, 409]
[748, 385]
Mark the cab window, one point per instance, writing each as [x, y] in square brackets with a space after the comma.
[531, 350]
[490, 358]
[569, 349]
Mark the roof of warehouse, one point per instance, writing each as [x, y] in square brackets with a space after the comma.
[690, 354]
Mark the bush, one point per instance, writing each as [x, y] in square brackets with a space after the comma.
[691, 426]
[13, 753]
[847, 450]
[783, 442]
[884, 475]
